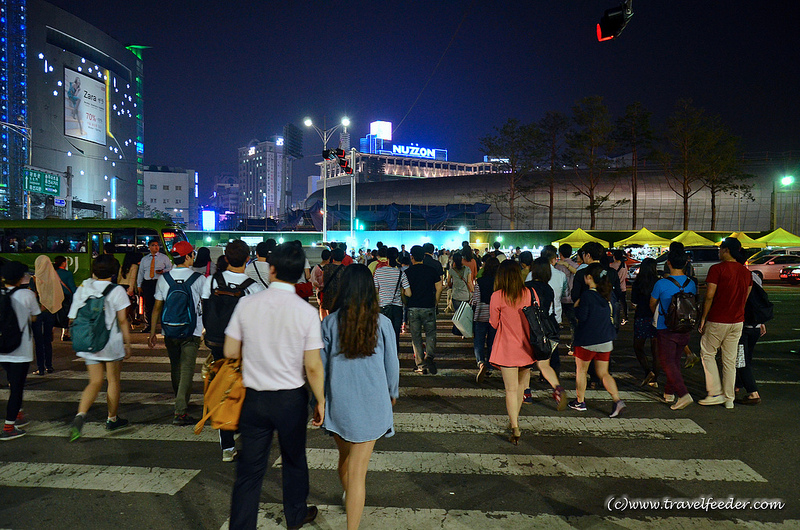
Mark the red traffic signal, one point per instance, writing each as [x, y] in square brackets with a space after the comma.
[614, 21]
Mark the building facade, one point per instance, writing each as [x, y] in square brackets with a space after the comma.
[227, 194]
[77, 94]
[173, 191]
[265, 176]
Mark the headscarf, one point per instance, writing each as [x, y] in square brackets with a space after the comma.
[48, 285]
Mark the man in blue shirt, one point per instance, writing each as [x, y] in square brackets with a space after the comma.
[671, 343]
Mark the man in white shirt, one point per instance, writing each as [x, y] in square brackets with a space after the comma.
[258, 270]
[17, 362]
[277, 335]
[182, 351]
[151, 267]
[236, 252]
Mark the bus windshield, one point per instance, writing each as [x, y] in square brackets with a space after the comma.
[172, 236]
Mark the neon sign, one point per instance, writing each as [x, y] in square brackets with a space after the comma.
[416, 151]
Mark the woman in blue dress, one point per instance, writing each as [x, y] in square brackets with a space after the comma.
[362, 379]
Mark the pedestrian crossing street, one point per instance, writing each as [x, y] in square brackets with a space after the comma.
[449, 466]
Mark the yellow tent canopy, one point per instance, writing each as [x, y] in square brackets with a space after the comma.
[693, 239]
[578, 238]
[780, 238]
[643, 237]
[745, 240]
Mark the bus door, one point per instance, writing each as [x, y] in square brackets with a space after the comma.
[97, 241]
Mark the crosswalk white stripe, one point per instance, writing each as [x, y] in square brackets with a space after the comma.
[63, 396]
[693, 469]
[124, 375]
[136, 431]
[470, 372]
[145, 359]
[778, 382]
[591, 395]
[270, 516]
[123, 479]
[545, 425]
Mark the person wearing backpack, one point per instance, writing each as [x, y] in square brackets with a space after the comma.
[221, 293]
[671, 342]
[728, 285]
[18, 310]
[101, 337]
[177, 307]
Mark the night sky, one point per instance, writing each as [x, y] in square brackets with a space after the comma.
[220, 74]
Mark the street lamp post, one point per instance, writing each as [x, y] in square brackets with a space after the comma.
[325, 135]
[786, 182]
[27, 133]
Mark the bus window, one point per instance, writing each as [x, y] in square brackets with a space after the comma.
[124, 240]
[172, 236]
[24, 240]
[66, 241]
[143, 238]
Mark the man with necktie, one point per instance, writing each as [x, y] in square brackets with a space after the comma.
[151, 268]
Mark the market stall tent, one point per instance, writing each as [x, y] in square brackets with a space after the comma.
[691, 238]
[643, 237]
[780, 238]
[578, 238]
[745, 240]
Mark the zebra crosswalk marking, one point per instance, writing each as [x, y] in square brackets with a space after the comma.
[694, 469]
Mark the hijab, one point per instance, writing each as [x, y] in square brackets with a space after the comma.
[48, 285]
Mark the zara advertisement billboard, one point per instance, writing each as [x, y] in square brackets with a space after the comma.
[84, 107]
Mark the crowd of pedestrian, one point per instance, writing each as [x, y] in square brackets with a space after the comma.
[345, 352]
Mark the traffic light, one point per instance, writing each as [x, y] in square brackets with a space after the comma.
[339, 156]
[614, 21]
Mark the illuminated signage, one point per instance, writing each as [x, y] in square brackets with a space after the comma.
[278, 141]
[416, 151]
[209, 220]
[381, 130]
[84, 107]
[251, 151]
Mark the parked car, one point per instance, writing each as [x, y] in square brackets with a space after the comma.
[702, 259]
[773, 252]
[791, 274]
[770, 266]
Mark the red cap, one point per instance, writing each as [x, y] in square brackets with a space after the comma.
[182, 248]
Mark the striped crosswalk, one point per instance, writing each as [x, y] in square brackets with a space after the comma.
[450, 438]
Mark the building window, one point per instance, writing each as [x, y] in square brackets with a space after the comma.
[166, 188]
[177, 201]
[177, 188]
[153, 187]
[153, 200]
[166, 201]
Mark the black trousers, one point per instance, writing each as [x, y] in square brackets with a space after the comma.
[149, 295]
[263, 413]
[744, 376]
[16, 374]
[395, 314]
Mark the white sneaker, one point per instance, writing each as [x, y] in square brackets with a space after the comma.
[228, 455]
[712, 400]
[728, 404]
[669, 398]
[683, 402]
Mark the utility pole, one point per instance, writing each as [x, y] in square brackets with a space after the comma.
[353, 179]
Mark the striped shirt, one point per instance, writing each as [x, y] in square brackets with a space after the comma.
[481, 313]
[386, 283]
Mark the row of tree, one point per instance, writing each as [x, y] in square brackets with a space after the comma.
[694, 150]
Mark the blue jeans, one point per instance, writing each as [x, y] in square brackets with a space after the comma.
[482, 342]
[419, 319]
[263, 413]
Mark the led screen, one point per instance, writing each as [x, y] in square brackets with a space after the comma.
[84, 107]
[381, 129]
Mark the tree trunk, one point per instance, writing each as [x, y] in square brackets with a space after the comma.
[552, 203]
[713, 209]
[634, 187]
[686, 210]
[592, 210]
[512, 215]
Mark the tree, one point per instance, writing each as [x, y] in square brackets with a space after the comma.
[634, 132]
[688, 144]
[588, 144]
[517, 146]
[553, 126]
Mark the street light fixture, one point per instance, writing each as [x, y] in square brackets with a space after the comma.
[787, 181]
[325, 135]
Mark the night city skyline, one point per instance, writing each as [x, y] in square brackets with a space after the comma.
[217, 77]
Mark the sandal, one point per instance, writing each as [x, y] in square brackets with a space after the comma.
[38, 372]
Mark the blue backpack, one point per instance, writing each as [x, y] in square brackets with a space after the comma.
[179, 318]
[88, 330]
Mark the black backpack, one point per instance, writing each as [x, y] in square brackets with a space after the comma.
[544, 328]
[10, 332]
[758, 309]
[683, 313]
[218, 308]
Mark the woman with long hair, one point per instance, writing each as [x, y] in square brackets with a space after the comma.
[643, 329]
[459, 279]
[512, 352]
[51, 297]
[468, 258]
[362, 379]
[594, 337]
[203, 262]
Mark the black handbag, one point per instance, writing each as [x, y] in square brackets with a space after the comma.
[544, 329]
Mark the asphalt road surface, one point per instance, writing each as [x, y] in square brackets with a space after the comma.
[449, 465]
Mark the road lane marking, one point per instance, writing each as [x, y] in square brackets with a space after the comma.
[137, 431]
[124, 376]
[545, 425]
[778, 382]
[777, 341]
[693, 469]
[543, 395]
[123, 479]
[271, 517]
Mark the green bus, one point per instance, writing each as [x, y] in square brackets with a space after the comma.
[82, 240]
